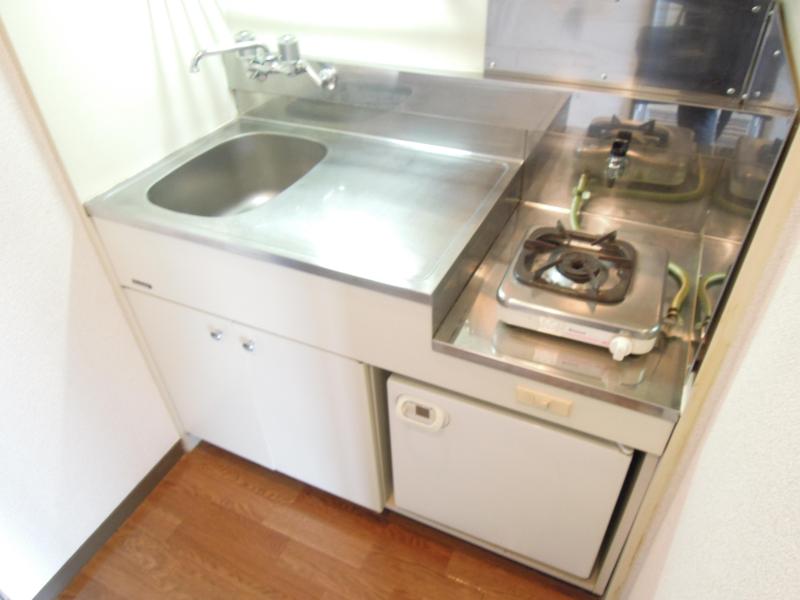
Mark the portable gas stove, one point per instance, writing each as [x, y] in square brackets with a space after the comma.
[594, 289]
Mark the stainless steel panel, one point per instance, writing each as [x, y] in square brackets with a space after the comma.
[553, 174]
[680, 46]
[702, 232]
[733, 204]
[772, 83]
[480, 138]
[719, 256]
[651, 383]
[729, 175]
[371, 95]
[726, 180]
[474, 252]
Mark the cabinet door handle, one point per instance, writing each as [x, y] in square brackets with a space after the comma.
[249, 345]
[216, 334]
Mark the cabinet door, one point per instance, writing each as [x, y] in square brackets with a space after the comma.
[526, 486]
[318, 413]
[201, 362]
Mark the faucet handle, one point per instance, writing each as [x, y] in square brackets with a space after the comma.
[288, 48]
[242, 37]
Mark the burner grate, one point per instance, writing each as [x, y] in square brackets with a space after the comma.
[595, 268]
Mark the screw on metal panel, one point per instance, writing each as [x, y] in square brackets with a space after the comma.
[756, 9]
[777, 53]
[757, 94]
[603, 76]
[492, 64]
[730, 91]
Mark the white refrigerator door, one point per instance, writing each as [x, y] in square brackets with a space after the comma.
[537, 490]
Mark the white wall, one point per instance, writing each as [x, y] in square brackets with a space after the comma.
[431, 35]
[81, 421]
[733, 529]
[112, 80]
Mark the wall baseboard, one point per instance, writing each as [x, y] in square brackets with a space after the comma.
[114, 521]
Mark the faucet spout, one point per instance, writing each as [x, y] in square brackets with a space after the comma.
[325, 77]
[246, 48]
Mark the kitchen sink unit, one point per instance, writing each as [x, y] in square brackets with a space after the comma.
[484, 315]
[275, 328]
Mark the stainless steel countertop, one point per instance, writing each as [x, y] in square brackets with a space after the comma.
[415, 220]
[388, 214]
[652, 383]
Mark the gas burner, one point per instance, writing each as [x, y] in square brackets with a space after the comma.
[649, 153]
[640, 132]
[582, 267]
[582, 287]
[596, 268]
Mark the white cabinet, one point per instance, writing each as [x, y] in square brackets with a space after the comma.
[317, 410]
[285, 405]
[202, 364]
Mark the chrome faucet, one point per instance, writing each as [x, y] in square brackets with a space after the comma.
[246, 46]
[261, 62]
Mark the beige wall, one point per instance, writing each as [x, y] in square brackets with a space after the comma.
[791, 11]
[733, 529]
[81, 420]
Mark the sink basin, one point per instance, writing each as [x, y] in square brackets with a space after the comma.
[236, 176]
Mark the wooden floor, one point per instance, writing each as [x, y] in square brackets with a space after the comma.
[220, 527]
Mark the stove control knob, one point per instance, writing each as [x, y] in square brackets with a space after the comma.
[620, 347]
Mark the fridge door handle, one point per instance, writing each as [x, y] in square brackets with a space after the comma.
[423, 415]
